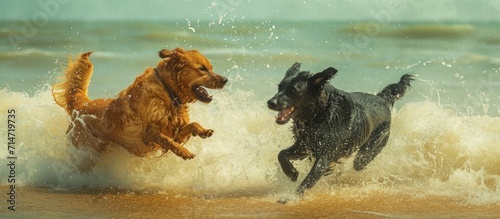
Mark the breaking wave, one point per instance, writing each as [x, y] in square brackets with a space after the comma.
[432, 150]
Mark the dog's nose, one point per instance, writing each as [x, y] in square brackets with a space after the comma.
[224, 80]
[271, 104]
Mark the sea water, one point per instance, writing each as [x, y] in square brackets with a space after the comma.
[445, 132]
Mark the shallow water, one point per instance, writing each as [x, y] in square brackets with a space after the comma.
[132, 204]
[443, 149]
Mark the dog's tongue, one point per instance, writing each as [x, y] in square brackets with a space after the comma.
[283, 115]
[202, 94]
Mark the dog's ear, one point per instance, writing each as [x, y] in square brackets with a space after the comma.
[165, 53]
[170, 54]
[173, 58]
[317, 81]
[321, 78]
[293, 70]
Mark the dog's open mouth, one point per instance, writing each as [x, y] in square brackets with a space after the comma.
[285, 115]
[202, 94]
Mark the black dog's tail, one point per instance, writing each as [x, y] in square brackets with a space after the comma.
[394, 92]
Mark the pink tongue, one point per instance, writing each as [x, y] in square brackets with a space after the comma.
[283, 114]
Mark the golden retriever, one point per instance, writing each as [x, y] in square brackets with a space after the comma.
[150, 114]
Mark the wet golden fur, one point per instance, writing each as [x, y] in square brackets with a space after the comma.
[150, 114]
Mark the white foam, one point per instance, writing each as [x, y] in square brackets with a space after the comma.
[431, 151]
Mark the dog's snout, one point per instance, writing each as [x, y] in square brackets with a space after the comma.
[272, 104]
[218, 81]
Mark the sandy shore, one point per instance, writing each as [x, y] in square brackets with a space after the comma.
[43, 202]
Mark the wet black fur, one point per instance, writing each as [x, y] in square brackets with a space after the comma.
[329, 124]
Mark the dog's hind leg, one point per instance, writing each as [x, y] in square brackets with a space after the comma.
[294, 152]
[372, 147]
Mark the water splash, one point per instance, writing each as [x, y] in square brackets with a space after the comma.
[432, 151]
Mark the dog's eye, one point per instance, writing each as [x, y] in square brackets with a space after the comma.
[292, 91]
[281, 87]
[203, 68]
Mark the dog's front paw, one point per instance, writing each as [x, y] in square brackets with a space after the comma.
[283, 201]
[187, 155]
[288, 198]
[206, 133]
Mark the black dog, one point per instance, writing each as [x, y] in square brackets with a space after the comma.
[329, 123]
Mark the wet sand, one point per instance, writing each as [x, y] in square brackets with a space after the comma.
[48, 203]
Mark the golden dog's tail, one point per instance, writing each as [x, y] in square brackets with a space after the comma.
[71, 93]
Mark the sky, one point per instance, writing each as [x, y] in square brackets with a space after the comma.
[214, 10]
